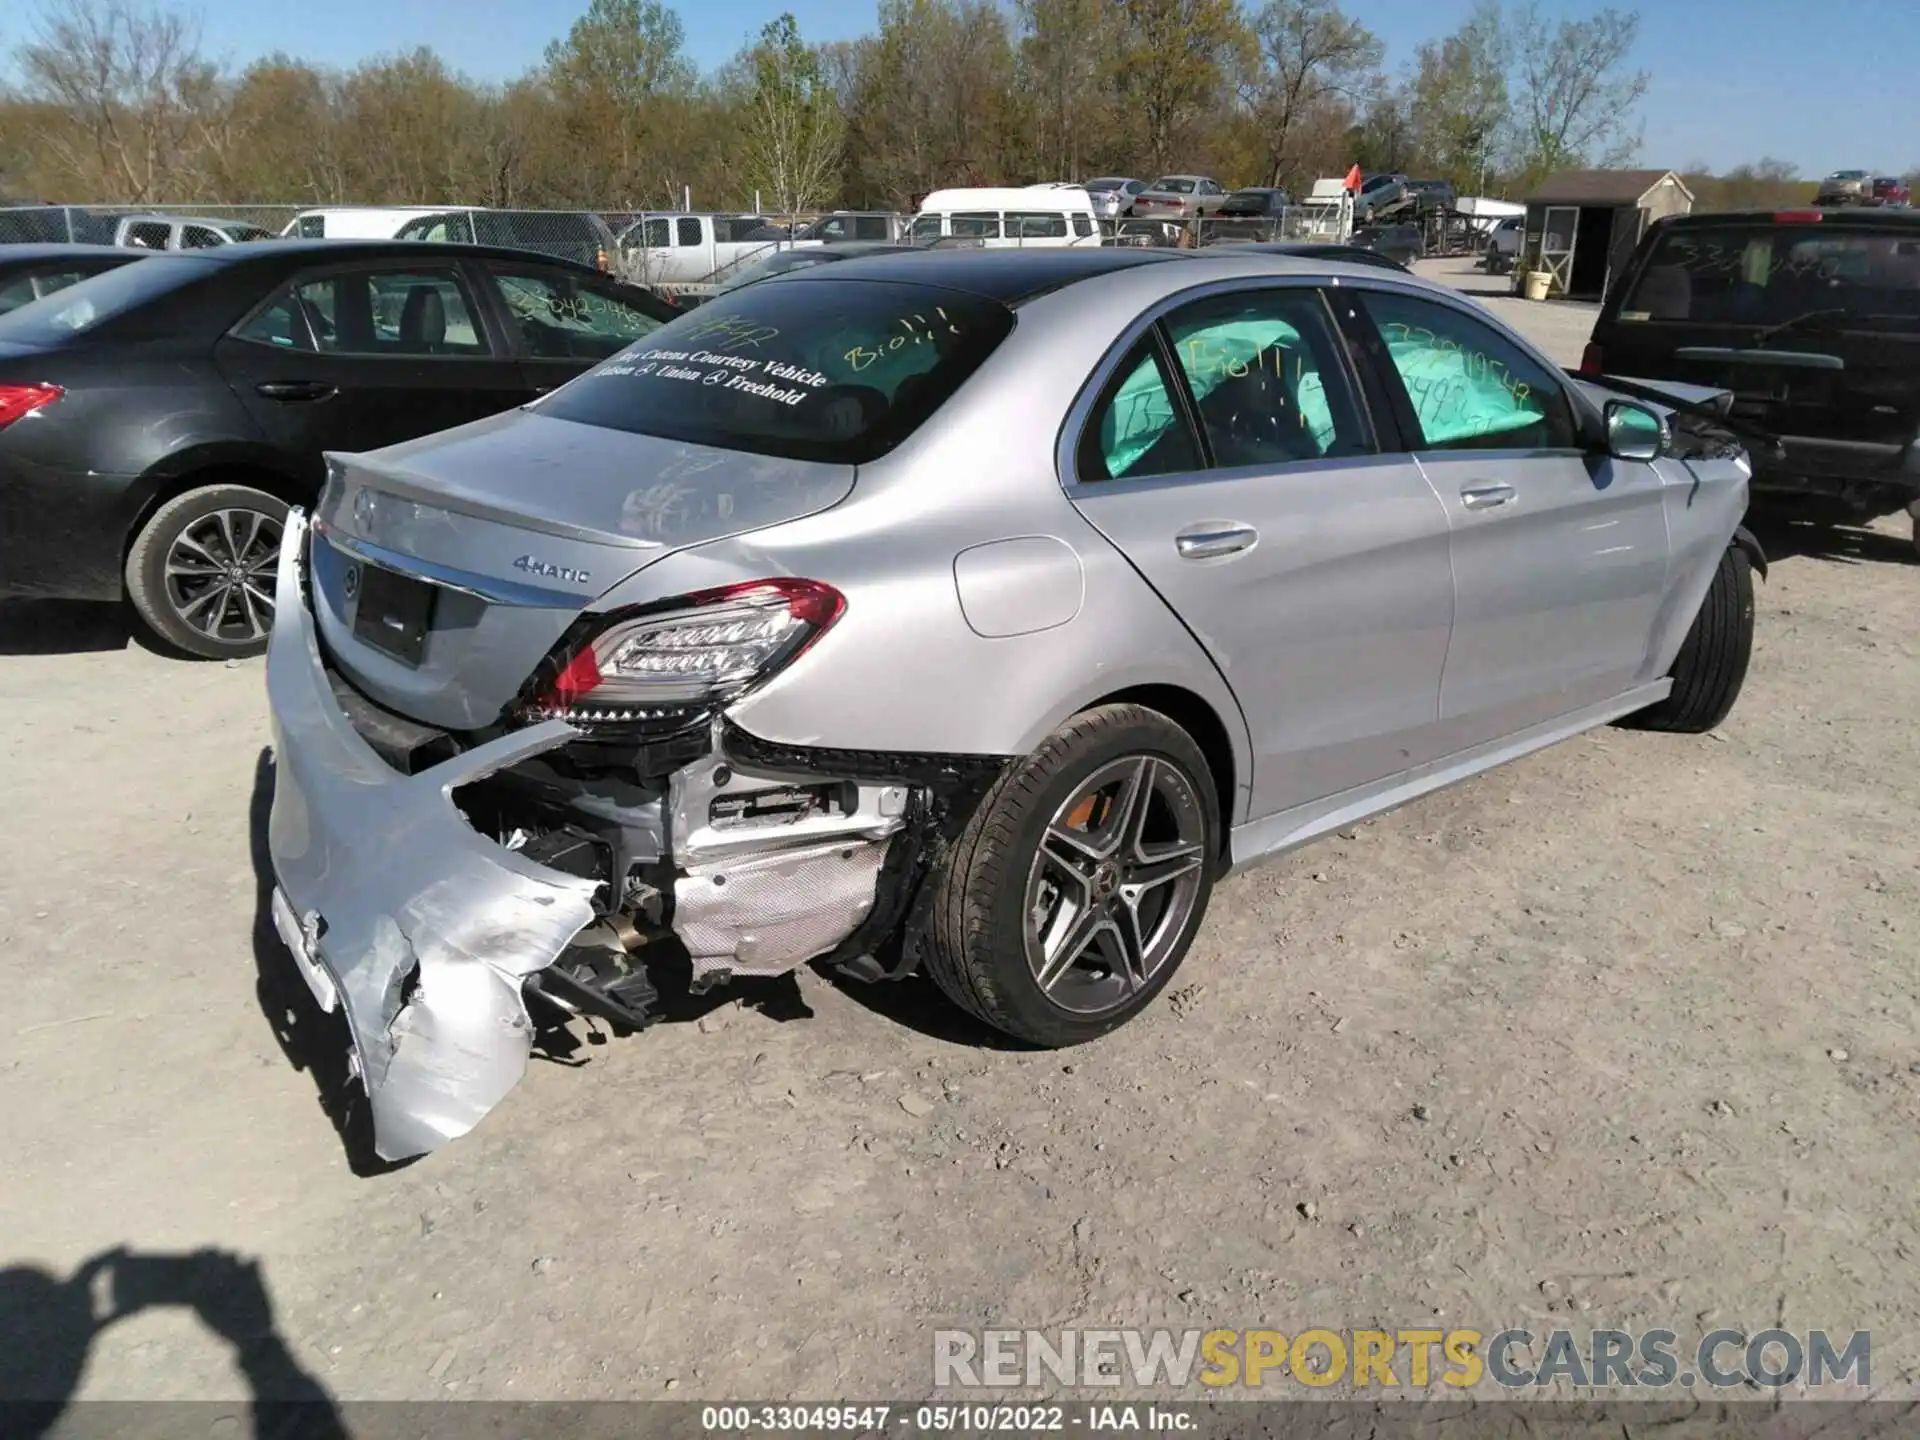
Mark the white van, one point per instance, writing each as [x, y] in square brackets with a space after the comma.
[1004, 218]
[352, 222]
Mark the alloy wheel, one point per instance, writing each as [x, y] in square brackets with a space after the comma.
[220, 574]
[1113, 884]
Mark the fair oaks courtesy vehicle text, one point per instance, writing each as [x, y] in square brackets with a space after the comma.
[966, 613]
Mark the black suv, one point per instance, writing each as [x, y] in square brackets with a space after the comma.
[1811, 318]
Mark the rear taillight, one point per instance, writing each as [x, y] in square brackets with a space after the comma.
[18, 401]
[691, 652]
[1592, 360]
[1798, 217]
[600, 261]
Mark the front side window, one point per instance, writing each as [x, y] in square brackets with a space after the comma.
[1470, 387]
[559, 318]
[1083, 225]
[1137, 429]
[811, 368]
[312, 227]
[199, 237]
[381, 313]
[977, 225]
[925, 227]
[149, 234]
[1265, 372]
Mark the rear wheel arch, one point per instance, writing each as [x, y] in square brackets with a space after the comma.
[1203, 724]
[165, 484]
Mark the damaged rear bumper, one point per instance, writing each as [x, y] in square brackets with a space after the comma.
[424, 932]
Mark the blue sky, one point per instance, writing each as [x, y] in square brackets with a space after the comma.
[1826, 86]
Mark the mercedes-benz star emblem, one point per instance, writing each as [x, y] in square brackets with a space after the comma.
[363, 507]
[350, 582]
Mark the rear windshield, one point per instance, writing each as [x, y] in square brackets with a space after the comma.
[1764, 274]
[1175, 186]
[808, 368]
[95, 301]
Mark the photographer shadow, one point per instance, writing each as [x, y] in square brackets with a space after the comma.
[47, 1326]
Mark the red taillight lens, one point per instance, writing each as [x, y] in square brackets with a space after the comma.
[703, 648]
[1592, 360]
[1798, 217]
[17, 401]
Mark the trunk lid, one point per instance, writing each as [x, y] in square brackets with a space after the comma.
[502, 533]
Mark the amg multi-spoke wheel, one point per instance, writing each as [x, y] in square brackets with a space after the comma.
[1074, 892]
[1113, 884]
[201, 572]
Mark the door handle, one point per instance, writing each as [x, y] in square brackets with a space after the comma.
[1207, 542]
[296, 390]
[1485, 496]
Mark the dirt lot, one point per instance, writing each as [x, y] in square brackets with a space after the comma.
[1625, 1033]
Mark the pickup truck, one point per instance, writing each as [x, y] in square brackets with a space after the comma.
[695, 251]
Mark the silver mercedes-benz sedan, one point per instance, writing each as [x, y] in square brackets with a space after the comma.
[962, 613]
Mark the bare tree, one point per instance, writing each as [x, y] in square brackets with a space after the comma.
[794, 127]
[1313, 56]
[131, 94]
[1577, 98]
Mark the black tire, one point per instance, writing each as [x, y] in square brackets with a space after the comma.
[976, 949]
[181, 608]
[1712, 663]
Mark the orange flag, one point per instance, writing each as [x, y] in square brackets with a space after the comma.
[1354, 178]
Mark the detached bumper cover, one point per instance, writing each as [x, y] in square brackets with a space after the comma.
[421, 929]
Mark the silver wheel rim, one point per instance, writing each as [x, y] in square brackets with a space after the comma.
[1113, 884]
[220, 574]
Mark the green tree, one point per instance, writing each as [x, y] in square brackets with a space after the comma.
[621, 82]
[793, 125]
[1175, 70]
[1316, 60]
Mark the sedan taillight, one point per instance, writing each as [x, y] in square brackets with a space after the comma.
[18, 401]
[694, 651]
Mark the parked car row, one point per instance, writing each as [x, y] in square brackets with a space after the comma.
[1863, 187]
[158, 418]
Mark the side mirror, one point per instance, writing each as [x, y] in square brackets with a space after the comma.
[1634, 432]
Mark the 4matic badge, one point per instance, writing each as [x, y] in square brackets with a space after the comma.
[551, 571]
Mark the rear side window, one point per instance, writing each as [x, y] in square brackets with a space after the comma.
[25, 289]
[978, 224]
[386, 313]
[1041, 226]
[1137, 429]
[1768, 274]
[103, 298]
[687, 231]
[811, 369]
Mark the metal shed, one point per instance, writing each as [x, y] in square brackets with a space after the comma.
[1582, 225]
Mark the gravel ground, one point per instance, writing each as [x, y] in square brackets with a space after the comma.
[1623, 1033]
